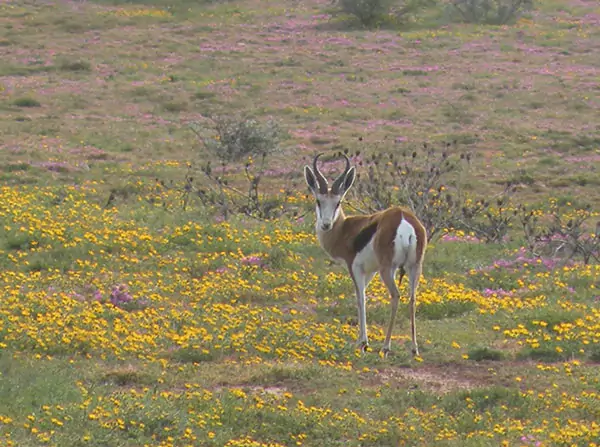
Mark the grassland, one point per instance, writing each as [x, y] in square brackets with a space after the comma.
[133, 321]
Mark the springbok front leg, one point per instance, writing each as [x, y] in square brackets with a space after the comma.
[387, 276]
[361, 281]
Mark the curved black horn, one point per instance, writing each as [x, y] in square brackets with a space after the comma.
[321, 180]
[337, 184]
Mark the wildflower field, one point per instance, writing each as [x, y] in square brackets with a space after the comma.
[131, 318]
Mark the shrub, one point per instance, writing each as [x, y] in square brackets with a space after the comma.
[373, 12]
[489, 220]
[368, 12]
[562, 233]
[235, 138]
[224, 186]
[428, 181]
[415, 179]
[247, 198]
[493, 12]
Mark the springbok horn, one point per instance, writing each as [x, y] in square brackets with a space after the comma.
[321, 180]
[337, 184]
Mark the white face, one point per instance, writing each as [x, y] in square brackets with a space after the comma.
[328, 210]
[328, 202]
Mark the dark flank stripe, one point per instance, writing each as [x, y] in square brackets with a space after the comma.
[365, 235]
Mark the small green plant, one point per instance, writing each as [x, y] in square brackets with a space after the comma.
[278, 258]
[126, 376]
[27, 101]
[175, 106]
[449, 309]
[193, 355]
[492, 12]
[543, 354]
[16, 167]
[74, 65]
[485, 353]
[594, 355]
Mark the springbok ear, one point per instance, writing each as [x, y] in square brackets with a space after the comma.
[349, 180]
[310, 178]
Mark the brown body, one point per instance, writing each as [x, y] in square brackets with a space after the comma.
[346, 234]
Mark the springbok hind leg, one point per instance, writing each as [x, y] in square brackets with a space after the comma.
[414, 274]
[387, 276]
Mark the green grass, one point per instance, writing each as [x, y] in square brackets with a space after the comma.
[212, 350]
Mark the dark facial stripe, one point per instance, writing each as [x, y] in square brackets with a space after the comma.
[363, 238]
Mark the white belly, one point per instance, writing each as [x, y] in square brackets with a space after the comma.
[366, 260]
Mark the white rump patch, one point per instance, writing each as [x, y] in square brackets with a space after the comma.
[405, 244]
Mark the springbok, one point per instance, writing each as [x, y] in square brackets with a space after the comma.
[384, 242]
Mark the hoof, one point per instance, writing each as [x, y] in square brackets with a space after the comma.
[386, 352]
[363, 346]
[415, 351]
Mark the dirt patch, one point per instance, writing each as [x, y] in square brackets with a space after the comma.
[440, 379]
[275, 391]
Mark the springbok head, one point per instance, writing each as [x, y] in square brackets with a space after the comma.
[328, 199]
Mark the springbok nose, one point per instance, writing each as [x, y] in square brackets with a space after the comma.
[326, 226]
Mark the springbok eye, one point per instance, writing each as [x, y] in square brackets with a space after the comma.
[318, 203]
